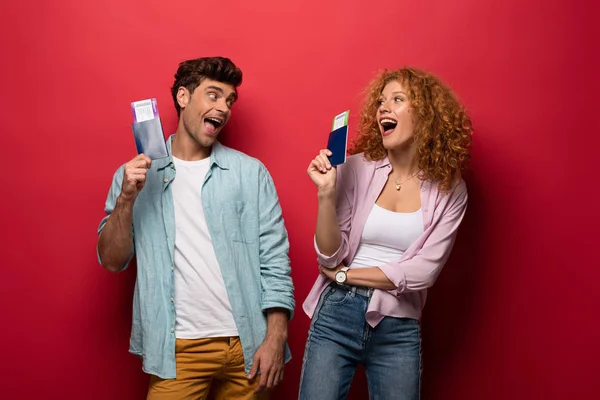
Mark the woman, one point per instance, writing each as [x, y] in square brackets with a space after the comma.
[386, 224]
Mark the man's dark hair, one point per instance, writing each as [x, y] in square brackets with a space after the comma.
[191, 73]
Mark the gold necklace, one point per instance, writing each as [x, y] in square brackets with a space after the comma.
[399, 185]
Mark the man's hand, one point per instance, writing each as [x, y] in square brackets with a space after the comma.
[115, 242]
[269, 357]
[134, 176]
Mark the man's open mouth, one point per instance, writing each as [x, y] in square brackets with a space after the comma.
[211, 124]
[216, 122]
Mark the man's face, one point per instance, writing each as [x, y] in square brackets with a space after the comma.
[205, 112]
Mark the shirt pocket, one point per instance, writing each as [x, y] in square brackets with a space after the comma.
[239, 222]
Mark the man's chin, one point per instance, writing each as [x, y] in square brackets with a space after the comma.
[207, 140]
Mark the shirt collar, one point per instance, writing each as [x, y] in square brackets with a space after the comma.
[218, 155]
[384, 162]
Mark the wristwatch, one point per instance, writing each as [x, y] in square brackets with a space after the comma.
[341, 276]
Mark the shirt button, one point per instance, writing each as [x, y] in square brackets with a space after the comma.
[172, 329]
[172, 268]
[171, 165]
[171, 299]
[422, 189]
[165, 180]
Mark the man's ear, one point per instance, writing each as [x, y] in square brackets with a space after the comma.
[183, 97]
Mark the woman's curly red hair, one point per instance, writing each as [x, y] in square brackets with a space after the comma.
[442, 127]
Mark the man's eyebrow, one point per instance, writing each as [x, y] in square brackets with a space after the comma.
[218, 89]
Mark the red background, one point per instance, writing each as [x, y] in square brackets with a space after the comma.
[513, 315]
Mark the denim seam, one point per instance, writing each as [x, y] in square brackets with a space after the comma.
[311, 330]
[420, 361]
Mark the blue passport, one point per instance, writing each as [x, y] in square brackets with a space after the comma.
[338, 144]
[150, 139]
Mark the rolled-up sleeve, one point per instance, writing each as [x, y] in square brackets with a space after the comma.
[422, 269]
[343, 206]
[275, 270]
[109, 206]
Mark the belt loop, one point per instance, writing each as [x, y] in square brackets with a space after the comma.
[353, 291]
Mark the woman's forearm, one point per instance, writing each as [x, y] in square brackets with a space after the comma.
[327, 232]
[369, 277]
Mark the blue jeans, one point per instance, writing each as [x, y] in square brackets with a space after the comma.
[340, 339]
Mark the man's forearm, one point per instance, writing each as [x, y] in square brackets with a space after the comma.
[115, 242]
[277, 324]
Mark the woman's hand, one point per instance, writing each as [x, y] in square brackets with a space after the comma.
[329, 273]
[321, 172]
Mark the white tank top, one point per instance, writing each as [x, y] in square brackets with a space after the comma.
[386, 236]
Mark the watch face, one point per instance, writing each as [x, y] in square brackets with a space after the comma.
[339, 277]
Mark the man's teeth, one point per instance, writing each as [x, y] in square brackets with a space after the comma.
[215, 120]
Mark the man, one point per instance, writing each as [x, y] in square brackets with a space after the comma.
[213, 293]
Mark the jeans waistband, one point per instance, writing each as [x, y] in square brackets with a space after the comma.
[360, 290]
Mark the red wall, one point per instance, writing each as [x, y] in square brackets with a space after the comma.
[513, 315]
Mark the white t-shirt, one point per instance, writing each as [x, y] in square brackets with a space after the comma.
[386, 236]
[201, 303]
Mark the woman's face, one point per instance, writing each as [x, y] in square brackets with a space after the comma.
[394, 117]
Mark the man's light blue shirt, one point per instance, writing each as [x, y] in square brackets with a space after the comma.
[249, 238]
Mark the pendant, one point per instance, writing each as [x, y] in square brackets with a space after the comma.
[398, 186]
